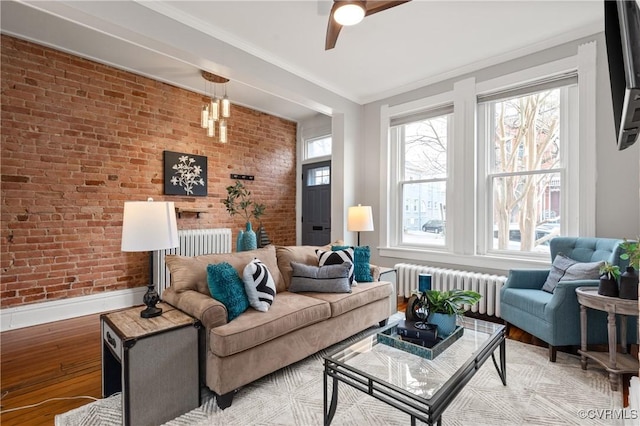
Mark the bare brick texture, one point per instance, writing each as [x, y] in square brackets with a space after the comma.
[80, 138]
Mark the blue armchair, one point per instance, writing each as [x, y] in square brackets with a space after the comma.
[555, 317]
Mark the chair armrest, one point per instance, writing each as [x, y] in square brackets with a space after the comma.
[565, 292]
[526, 278]
[208, 310]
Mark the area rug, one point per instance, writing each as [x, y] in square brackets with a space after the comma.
[538, 392]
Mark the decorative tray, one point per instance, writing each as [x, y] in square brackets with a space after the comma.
[391, 338]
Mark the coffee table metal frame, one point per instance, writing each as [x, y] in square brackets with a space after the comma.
[427, 410]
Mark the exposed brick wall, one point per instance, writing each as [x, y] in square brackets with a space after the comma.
[80, 138]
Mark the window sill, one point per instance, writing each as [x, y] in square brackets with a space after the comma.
[494, 263]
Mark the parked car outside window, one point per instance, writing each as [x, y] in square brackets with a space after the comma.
[434, 225]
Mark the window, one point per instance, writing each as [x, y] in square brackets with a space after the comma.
[500, 172]
[421, 141]
[526, 138]
[318, 147]
[319, 176]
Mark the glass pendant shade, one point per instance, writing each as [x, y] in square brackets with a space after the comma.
[204, 117]
[211, 128]
[223, 131]
[226, 107]
[214, 110]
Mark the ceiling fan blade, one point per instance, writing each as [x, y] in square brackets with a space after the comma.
[333, 29]
[378, 6]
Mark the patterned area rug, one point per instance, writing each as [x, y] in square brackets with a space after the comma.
[538, 392]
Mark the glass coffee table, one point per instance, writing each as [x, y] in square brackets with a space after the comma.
[410, 382]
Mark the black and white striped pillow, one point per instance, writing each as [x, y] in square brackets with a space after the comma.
[259, 285]
[336, 258]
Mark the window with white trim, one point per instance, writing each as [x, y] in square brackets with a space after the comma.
[422, 141]
[485, 118]
[317, 147]
[526, 134]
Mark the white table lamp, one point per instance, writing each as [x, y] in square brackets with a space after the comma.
[359, 218]
[149, 226]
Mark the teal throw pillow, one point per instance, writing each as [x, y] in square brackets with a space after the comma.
[227, 287]
[361, 265]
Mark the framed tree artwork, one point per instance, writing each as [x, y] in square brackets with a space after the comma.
[185, 174]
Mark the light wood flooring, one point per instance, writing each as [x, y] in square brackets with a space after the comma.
[62, 360]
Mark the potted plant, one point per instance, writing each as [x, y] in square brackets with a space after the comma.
[445, 306]
[629, 279]
[239, 201]
[609, 275]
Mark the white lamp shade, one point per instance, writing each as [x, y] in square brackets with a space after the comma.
[349, 13]
[149, 225]
[359, 218]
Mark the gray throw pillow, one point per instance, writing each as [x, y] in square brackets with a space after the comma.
[567, 269]
[560, 265]
[322, 279]
[583, 271]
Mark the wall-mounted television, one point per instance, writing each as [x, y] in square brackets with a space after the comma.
[622, 33]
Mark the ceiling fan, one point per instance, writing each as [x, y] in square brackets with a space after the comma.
[344, 13]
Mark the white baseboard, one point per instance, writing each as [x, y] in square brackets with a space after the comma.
[56, 310]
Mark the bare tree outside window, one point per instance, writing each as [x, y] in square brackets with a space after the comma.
[526, 174]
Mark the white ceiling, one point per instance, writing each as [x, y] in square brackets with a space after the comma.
[273, 51]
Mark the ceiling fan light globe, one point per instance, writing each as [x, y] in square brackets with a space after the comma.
[349, 13]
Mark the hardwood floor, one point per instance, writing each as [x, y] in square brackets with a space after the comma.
[62, 360]
[55, 360]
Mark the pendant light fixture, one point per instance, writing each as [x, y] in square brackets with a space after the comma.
[215, 108]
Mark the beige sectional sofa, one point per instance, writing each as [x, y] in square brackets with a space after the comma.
[296, 325]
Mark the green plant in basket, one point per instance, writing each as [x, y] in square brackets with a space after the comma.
[450, 302]
[611, 271]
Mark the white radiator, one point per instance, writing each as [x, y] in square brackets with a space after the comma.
[193, 242]
[447, 279]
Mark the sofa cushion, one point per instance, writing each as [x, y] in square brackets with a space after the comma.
[337, 257]
[259, 285]
[360, 295]
[300, 254]
[190, 272]
[361, 266]
[289, 312]
[226, 287]
[324, 279]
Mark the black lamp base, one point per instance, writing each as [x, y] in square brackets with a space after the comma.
[151, 298]
[151, 312]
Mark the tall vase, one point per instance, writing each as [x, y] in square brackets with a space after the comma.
[249, 241]
[240, 241]
[629, 284]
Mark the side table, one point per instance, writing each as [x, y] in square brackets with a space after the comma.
[615, 363]
[389, 274]
[153, 362]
